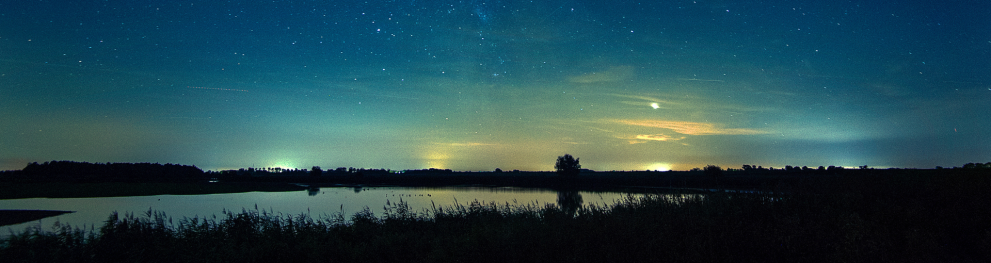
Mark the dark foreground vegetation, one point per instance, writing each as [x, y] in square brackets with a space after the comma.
[869, 217]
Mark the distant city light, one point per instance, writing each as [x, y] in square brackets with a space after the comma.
[659, 167]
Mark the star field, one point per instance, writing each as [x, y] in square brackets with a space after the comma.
[479, 85]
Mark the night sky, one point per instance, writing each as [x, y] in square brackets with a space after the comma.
[478, 85]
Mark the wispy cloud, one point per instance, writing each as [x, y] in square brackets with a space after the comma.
[689, 103]
[613, 74]
[658, 137]
[646, 101]
[645, 138]
[466, 144]
[690, 128]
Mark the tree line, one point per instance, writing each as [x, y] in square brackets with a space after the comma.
[71, 171]
[567, 168]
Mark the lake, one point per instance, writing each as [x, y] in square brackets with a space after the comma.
[316, 202]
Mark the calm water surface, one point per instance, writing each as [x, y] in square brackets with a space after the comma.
[325, 201]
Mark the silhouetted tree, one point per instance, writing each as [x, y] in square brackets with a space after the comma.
[712, 171]
[567, 165]
[498, 170]
[316, 171]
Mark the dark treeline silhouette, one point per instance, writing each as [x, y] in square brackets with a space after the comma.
[711, 176]
[977, 166]
[70, 171]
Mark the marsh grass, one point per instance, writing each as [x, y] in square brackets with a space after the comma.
[862, 219]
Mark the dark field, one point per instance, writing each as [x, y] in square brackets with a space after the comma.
[862, 217]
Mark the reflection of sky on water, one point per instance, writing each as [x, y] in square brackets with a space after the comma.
[484, 84]
[94, 211]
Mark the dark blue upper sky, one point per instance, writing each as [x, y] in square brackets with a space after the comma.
[475, 85]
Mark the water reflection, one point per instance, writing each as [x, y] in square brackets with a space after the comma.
[317, 202]
[569, 201]
[312, 191]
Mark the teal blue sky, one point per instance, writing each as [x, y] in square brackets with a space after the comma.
[479, 85]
